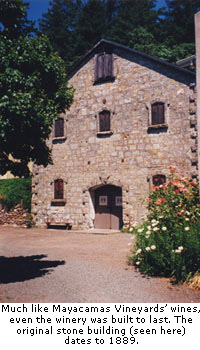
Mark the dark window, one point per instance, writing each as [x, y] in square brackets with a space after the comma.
[158, 113]
[58, 189]
[159, 179]
[104, 121]
[59, 127]
[104, 67]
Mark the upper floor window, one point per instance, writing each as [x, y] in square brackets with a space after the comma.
[104, 121]
[103, 67]
[159, 179]
[58, 189]
[59, 127]
[157, 113]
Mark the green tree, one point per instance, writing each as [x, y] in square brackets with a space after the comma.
[131, 14]
[33, 91]
[75, 26]
[92, 25]
[179, 21]
[59, 24]
[13, 18]
[142, 40]
[177, 34]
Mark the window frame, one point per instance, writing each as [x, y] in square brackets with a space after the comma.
[102, 123]
[157, 114]
[59, 189]
[57, 134]
[162, 176]
[163, 126]
[103, 131]
[58, 196]
[106, 71]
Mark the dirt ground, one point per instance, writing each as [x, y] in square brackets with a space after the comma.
[40, 265]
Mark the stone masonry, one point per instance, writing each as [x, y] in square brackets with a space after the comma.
[134, 150]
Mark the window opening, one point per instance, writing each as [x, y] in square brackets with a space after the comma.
[59, 127]
[159, 179]
[157, 113]
[104, 121]
[58, 189]
[104, 67]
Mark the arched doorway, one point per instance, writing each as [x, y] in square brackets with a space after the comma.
[108, 207]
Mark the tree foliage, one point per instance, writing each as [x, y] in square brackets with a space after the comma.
[33, 88]
[92, 25]
[168, 241]
[14, 192]
[13, 18]
[179, 21]
[33, 91]
[59, 24]
[177, 32]
[166, 32]
[131, 14]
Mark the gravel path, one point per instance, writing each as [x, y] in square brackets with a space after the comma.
[39, 265]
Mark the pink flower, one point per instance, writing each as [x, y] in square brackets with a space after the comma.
[172, 168]
[179, 212]
[149, 200]
[160, 201]
[155, 188]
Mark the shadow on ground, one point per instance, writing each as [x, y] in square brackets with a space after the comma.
[22, 268]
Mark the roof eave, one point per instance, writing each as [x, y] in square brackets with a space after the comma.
[139, 53]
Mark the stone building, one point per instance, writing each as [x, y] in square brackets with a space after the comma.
[133, 115]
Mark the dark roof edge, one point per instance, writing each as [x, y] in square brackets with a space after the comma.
[186, 62]
[153, 58]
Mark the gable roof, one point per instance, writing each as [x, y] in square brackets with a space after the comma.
[109, 43]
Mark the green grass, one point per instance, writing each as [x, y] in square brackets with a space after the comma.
[15, 191]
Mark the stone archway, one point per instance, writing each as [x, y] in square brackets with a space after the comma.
[107, 202]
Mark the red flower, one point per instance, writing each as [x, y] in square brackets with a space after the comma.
[176, 191]
[155, 188]
[149, 199]
[160, 201]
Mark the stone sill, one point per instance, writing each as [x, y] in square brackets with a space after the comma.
[59, 138]
[106, 133]
[58, 202]
[158, 126]
[104, 80]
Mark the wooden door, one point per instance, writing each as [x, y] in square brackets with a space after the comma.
[108, 207]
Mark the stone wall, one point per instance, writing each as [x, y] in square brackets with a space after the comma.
[133, 153]
[15, 217]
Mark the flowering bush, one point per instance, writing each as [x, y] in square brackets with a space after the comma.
[168, 242]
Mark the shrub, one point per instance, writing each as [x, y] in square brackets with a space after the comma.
[168, 242]
[15, 191]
